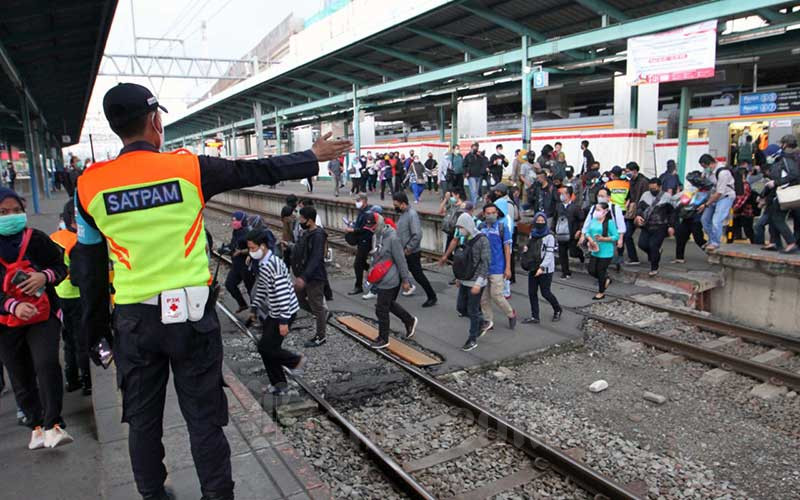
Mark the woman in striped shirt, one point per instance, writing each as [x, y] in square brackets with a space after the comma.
[275, 303]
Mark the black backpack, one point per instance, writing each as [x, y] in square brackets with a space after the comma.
[463, 265]
[532, 258]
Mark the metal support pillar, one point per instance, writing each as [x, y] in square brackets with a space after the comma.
[453, 119]
[259, 129]
[755, 77]
[290, 141]
[441, 124]
[634, 113]
[43, 153]
[527, 114]
[278, 143]
[683, 130]
[356, 123]
[26, 126]
[233, 142]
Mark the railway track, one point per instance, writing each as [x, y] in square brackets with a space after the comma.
[781, 347]
[528, 458]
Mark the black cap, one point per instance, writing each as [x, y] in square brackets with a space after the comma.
[128, 101]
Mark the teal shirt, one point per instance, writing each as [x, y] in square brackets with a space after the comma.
[458, 164]
[606, 247]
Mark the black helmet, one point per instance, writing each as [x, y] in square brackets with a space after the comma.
[789, 141]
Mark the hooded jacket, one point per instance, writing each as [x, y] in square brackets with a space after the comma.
[386, 245]
[481, 253]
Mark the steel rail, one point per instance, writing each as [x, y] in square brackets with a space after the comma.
[394, 470]
[754, 369]
[542, 454]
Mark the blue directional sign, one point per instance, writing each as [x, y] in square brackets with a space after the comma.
[541, 79]
[769, 102]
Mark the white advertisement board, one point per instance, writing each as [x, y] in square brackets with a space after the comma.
[686, 53]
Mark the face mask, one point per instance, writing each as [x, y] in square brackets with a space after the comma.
[359, 204]
[563, 198]
[602, 199]
[257, 255]
[539, 225]
[491, 219]
[304, 226]
[398, 209]
[61, 225]
[237, 224]
[655, 192]
[160, 134]
[453, 200]
[604, 179]
[599, 214]
[12, 224]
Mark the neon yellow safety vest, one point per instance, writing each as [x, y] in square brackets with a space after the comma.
[66, 240]
[149, 207]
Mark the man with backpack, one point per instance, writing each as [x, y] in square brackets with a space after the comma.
[656, 215]
[471, 270]
[567, 228]
[499, 237]
[716, 210]
[311, 276]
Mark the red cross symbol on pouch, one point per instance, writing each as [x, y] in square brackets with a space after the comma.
[173, 307]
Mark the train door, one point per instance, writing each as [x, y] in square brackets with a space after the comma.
[738, 132]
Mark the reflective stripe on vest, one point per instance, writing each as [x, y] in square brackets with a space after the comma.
[149, 207]
[618, 192]
[66, 240]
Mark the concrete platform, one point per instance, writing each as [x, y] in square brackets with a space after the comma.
[766, 283]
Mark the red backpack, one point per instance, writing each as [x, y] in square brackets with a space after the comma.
[12, 291]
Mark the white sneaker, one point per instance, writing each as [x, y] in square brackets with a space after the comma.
[369, 295]
[37, 439]
[410, 291]
[56, 436]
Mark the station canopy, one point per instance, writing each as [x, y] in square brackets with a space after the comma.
[461, 46]
[50, 51]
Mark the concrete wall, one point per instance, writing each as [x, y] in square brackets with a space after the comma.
[759, 293]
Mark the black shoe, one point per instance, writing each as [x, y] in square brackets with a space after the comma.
[529, 321]
[429, 303]
[164, 494]
[217, 496]
[356, 291]
[24, 421]
[412, 328]
[315, 342]
[379, 344]
[556, 316]
[485, 327]
[72, 386]
[469, 345]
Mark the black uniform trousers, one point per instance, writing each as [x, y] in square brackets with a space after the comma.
[690, 226]
[76, 343]
[650, 241]
[144, 350]
[30, 354]
[360, 264]
[236, 275]
[274, 356]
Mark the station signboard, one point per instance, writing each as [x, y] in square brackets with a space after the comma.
[686, 53]
[769, 102]
[541, 79]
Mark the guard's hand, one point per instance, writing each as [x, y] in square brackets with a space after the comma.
[475, 290]
[326, 150]
[25, 311]
[33, 283]
[283, 330]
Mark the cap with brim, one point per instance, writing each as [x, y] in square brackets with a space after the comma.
[128, 101]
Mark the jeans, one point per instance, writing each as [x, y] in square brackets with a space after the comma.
[398, 183]
[760, 228]
[387, 303]
[274, 356]
[337, 184]
[458, 181]
[598, 267]
[543, 283]
[384, 184]
[474, 186]
[630, 246]
[650, 241]
[495, 294]
[415, 268]
[714, 217]
[312, 299]
[565, 249]
[470, 305]
[417, 190]
[777, 220]
[691, 227]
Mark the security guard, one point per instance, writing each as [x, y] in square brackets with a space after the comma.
[76, 342]
[145, 208]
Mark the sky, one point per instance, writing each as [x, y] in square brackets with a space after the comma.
[233, 27]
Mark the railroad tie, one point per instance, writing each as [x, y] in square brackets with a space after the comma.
[396, 347]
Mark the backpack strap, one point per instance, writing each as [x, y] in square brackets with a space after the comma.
[23, 247]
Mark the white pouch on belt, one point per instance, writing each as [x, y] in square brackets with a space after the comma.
[197, 296]
[174, 308]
